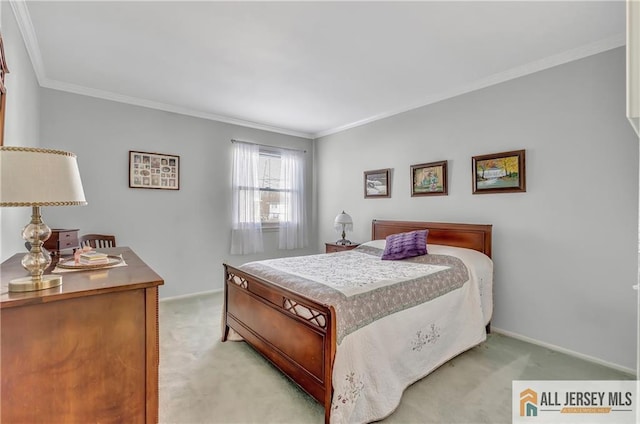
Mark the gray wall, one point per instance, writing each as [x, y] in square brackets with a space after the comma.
[183, 235]
[21, 122]
[565, 251]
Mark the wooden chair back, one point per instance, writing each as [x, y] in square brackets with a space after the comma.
[98, 241]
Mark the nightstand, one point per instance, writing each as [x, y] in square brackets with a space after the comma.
[333, 247]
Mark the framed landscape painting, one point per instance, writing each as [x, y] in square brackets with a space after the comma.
[429, 179]
[499, 172]
[376, 183]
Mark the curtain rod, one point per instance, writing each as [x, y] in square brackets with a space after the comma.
[266, 145]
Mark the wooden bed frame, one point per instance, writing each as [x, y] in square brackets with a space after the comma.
[298, 334]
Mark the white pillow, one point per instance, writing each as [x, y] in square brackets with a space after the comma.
[380, 244]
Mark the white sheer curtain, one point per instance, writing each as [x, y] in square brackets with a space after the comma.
[293, 219]
[246, 230]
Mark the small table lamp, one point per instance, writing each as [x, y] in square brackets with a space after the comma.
[38, 177]
[345, 223]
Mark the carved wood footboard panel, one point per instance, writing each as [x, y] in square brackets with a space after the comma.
[294, 333]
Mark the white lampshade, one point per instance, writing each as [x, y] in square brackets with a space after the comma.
[39, 177]
[343, 219]
[343, 223]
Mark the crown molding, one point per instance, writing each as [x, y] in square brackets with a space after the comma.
[612, 42]
[25, 25]
[20, 11]
[120, 98]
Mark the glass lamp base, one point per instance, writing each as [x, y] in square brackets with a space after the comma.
[27, 284]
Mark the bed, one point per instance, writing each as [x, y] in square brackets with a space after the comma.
[302, 335]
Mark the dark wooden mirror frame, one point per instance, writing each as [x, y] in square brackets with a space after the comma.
[3, 89]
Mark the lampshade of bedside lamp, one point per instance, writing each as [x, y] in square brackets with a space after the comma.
[38, 177]
[343, 222]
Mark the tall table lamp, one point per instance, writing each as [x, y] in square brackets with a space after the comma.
[38, 177]
[343, 222]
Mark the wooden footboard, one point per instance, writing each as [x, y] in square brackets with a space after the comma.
[293, 332]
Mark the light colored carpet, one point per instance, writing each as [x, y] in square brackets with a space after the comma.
[203, 380]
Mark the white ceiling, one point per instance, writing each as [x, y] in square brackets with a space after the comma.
[303, 68]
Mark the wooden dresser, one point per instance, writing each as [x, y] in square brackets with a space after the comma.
[85, 352]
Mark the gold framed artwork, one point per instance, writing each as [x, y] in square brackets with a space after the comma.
[154, 170]
[376, 183]
[499, 172]
[429, 179]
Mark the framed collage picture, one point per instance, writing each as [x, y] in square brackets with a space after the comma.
[154, 170]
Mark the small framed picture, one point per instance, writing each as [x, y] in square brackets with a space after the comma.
[429, 179]
[499, 172]
[146, 169]
[376, 183]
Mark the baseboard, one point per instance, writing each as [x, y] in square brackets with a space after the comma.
[550, 346]
[187, 296]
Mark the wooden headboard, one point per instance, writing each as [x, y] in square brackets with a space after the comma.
[471, 236]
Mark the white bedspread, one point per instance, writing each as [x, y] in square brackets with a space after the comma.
[375, 364]
[344, 272]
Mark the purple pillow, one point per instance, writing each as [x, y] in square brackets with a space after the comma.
[406, 245]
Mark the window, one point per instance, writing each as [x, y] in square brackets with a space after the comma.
[268, 192]
[271, 189]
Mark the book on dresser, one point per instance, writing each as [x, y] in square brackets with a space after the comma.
[94, 258]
